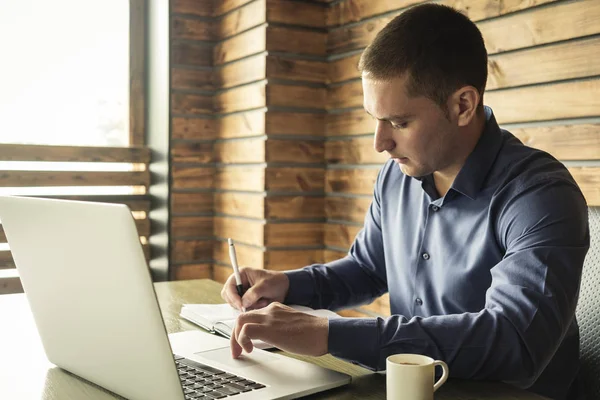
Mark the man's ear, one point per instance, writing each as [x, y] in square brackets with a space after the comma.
[463, 105]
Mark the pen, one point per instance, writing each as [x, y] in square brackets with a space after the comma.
[236, 270]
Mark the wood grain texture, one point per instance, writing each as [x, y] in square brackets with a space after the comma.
[353, 151]
[285, 260]
[6, 260]
[189, 103]
[295, 40]
[355, 122]
[292, 69]
[224, 6]
[249, 123]
[191, 203]
[250, 179]
[248, 16]
[29, 152]
[183, 27]
[191, 227]
[287, 123]
[221, 273]
[191, 152]
[194, 54]
[185, 78]
[546, 102]
[241, 98]
[202, 8]
[191, 251]
[240, 72]
[191, 271]
[294, 179]
[247, 231]
[247, 256]
[294, 207]
[343, 69]
[340, 235]
[194, 128]
[69, 178]
[292, 13]
[143, 227]
[10, 286]
[192, 177]
[245, 44]
[352, 209]
[561, 61]
[345, 96]
[2, 235]
[354, 181]
[248, 205]
[296, 96]
[293, 234]
[297, 151]
[251, 150]
[565, 142]
[565, 20]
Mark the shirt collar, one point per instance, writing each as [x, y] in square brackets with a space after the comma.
[479, 163]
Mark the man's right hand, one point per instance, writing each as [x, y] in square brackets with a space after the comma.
[261, 287]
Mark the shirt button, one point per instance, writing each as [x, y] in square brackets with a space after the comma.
[425, 256]
[418, 301]
[435, 208]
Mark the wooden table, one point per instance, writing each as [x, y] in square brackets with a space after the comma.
[25, 372]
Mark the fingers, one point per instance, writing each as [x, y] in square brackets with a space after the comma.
[254, 294]
[230, 295]
[248, 326]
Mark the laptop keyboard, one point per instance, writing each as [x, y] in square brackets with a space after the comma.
[201, 381]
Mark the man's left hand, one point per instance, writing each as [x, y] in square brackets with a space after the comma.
[282, 327]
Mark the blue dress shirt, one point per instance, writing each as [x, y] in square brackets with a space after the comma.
[485, 278]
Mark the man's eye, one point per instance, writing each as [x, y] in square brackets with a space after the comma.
[400, 126]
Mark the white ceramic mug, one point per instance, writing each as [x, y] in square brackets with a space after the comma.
[411, 377]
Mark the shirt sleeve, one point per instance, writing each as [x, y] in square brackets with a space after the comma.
[529, 306]
[358, 278]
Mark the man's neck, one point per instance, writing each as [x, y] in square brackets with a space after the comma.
[444, 178]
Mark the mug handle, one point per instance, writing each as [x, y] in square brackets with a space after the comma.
[445, 372]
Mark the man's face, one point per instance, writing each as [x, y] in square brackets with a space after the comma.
[414, 131]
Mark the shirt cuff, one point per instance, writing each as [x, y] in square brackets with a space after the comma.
[302, 287]
[355, 340]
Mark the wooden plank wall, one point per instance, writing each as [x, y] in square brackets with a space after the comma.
[544, 64]
[256, 158]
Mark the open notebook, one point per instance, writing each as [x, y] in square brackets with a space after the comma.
[220, 318]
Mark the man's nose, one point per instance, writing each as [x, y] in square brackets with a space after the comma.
[383, 140]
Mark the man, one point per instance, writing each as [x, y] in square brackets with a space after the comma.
[479, 240]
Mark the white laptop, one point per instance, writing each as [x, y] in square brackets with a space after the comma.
[90, 291]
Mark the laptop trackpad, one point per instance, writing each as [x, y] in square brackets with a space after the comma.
[223, 356]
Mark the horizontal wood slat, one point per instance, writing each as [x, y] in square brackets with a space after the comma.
[192, 177]
[297, 151]
[185, 78]
[194, 128]
[340, 235]
[545, 25]
[188, 251]
[353, 151]
[294, 179]
[355, 181]
[224, 6]
[330, 255]
[10, 286]
[240, 204]
[279, 67]
[292, 13]
[191, 271]
[561, 61]
[188, 227]
[251, 150]
[189, 103]
[241, 98]
[191, 203]
[247, 256]
[194, 29]
[27, 152]
[221, 273]
[352, 209]
[299, 41]
[345, 96]
[345, 12]
[296, 96]
[240, 230]
[194, 54]
[294, 234]
[6, 260]
[202, 8]
[242, 19]
[191, 152]
[143, 227]
[588, 179]
[248, 123]
[245, 44]
[73, 178]
[250, 179]
[287, 123]
[565, 142]
[547, 102]
[355, 122]
[294, 207]
[241, 72]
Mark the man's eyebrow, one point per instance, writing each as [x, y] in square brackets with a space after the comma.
[393, 117]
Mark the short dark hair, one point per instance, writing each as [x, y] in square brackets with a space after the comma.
[440, 48]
